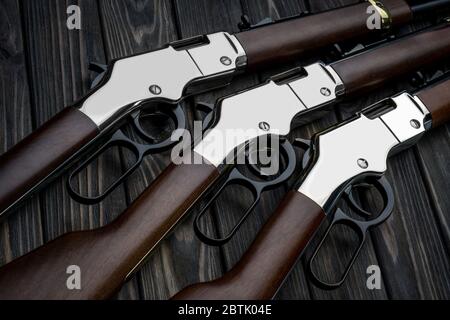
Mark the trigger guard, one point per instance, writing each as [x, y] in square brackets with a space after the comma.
[117, 139]
[360, 227]
[176, 114]
[384, 188]
[236, 177]
[288, 150]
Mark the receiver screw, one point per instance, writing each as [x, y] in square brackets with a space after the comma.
[155, 89]
[415, 124]
[226, 61]
[325, 92]
[264, 126]
[363, 164]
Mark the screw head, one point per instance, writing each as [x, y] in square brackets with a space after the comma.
[415, 124]
[325, 92]
[155, 89]
[264, 126]
[226, 61]
[363, 164]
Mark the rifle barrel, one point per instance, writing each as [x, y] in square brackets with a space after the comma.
[420, 7]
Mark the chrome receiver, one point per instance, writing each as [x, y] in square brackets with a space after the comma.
[362, 145]
[268, 109]
[354, 155]
[201, 63]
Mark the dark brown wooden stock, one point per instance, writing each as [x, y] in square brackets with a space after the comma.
[287, 40]
[437, 101]
[265, 265]
[107, 255]
[370, 69]
[43, 151]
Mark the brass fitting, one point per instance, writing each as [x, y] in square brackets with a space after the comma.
[386, 18]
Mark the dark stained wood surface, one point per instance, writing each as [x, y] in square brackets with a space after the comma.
[44, 67]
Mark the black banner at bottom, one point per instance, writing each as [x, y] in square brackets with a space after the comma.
[199, 310]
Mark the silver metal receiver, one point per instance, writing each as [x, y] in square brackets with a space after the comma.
[363, 146]
[165, 74]
[268, 109]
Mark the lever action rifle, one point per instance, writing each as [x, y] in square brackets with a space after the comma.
[359, 148]
[168, 75]
[109, 255]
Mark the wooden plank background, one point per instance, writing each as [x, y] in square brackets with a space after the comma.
[44, 67]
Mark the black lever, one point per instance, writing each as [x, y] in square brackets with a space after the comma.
[153, 145]
[262, 181]
[361, 227]
[139, 150]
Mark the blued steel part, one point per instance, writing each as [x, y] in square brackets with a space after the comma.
[257, 187]
[139, 150]
[360, 227]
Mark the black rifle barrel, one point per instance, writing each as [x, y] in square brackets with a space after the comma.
[420, 7]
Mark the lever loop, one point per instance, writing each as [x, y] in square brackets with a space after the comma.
[358, 226]
[139, 150]
[257, 187]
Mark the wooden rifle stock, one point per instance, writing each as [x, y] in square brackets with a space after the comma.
[289, 39]
[263, 268]
[42, 152]
[437, 101]
[267, 262]
[38, 157]
[367, 70]
[108, 255]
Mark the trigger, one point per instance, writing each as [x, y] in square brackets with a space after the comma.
[206, 108]
[305, 145]
[100, 69]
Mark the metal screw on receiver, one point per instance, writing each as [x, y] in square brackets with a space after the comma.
[264, 126]
[415, 124]
[225, 60]
[363, 164]
[155, 89]
[325, 92]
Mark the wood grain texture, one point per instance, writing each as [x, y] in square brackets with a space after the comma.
[370, 70]
[204, 17]
[432, 154]
[413, 259]
[34, 158]
[412, 254]
[265, 265]
[58, 69]
[437, 100]
[107, 256]
[337, 252]
[294, 41]
[391, 250]
[129, 28]
[22, 231]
